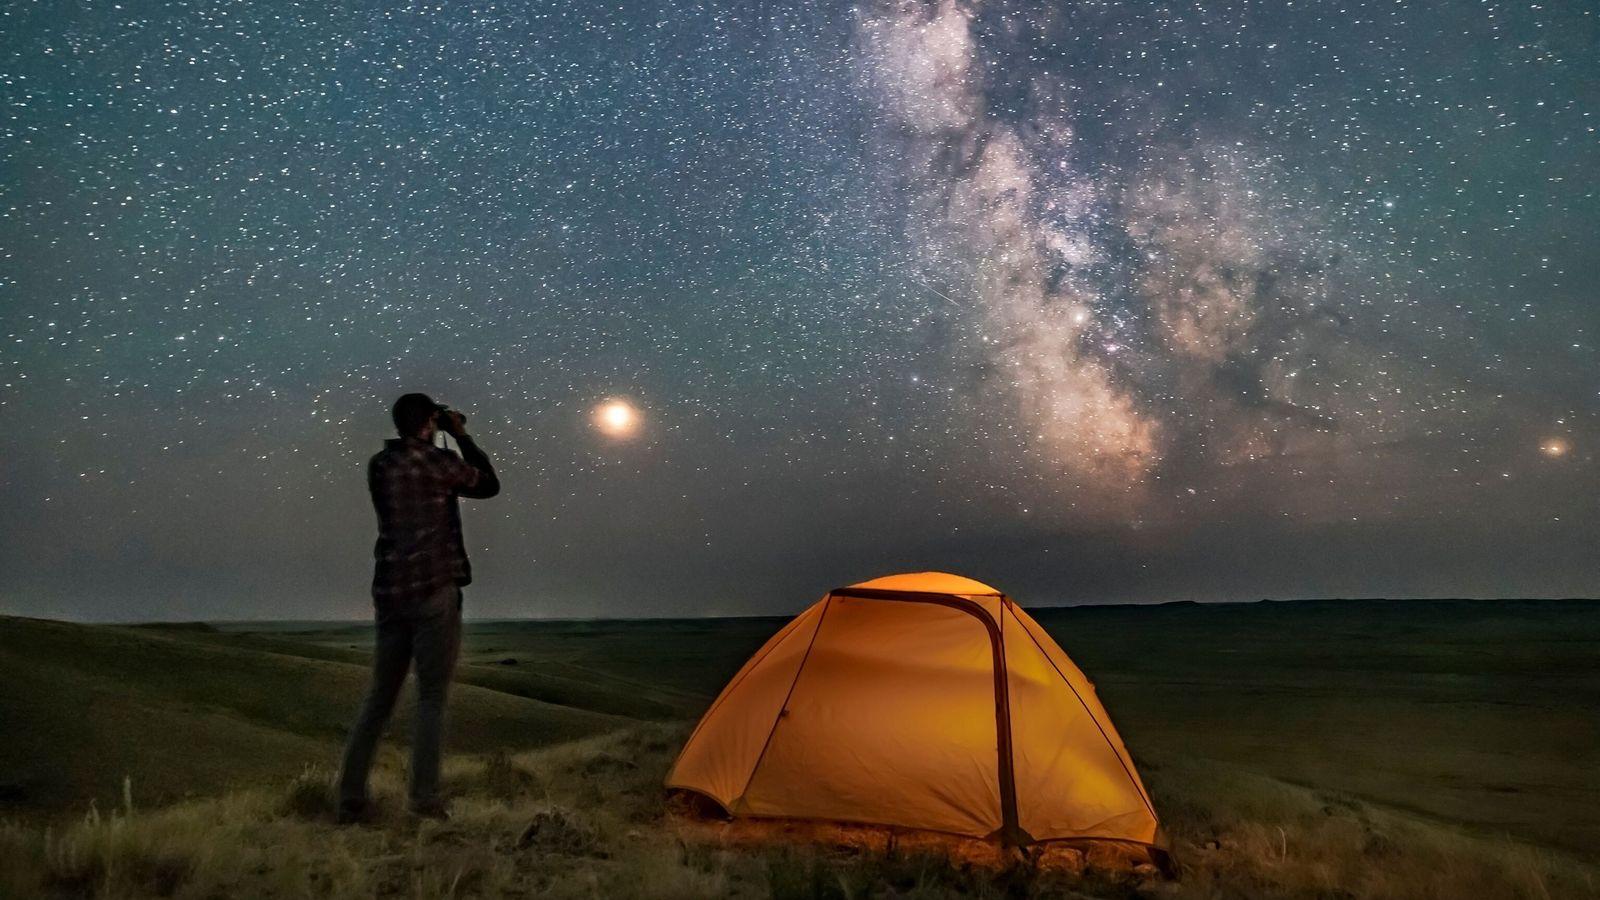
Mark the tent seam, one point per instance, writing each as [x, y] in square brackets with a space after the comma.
[1139, 789]
[827, 605]
[727, 692]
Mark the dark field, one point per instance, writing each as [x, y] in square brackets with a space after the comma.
[1479, 718]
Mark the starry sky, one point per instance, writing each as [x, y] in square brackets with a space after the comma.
[1093, 301]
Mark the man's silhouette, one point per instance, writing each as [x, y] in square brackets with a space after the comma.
[416, 591]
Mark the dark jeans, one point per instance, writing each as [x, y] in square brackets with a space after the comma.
[430, 635]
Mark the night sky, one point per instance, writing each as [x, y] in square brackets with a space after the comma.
[1095, 302]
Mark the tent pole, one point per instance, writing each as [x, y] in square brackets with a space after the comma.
[1011, 833]
[1011, 827]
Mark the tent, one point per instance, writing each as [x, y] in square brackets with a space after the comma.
[925, 701]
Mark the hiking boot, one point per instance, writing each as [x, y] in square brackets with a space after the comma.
[354, 812]
[437, 810]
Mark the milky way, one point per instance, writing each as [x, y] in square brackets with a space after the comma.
[1096, 301]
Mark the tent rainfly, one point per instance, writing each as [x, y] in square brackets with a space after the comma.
[925, 701]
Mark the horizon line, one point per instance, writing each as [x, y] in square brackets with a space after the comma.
[722, 616]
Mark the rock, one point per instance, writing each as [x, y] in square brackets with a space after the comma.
[560, 831]
[508, 661]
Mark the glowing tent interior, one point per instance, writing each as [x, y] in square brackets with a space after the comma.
[925, 701]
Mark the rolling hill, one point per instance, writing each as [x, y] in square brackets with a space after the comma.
[182, 712]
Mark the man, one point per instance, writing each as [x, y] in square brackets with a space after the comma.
[416, 592]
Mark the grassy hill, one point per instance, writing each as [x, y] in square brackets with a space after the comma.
[675, 662]
[536, 672]
[181, 712]
[1351, 749]
[587, 819]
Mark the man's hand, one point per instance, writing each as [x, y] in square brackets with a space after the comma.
[453, 422]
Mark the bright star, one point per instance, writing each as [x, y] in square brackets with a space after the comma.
[616, 418]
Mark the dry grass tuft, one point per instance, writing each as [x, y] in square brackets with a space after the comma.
[504, 780]
[310, 796]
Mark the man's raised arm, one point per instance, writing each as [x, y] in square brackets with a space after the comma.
[487, 484]
[479, 481]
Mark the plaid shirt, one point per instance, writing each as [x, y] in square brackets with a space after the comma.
[414, 488]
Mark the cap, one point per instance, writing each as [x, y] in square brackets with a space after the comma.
[413, 411]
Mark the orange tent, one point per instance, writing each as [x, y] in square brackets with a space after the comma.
[925, 701]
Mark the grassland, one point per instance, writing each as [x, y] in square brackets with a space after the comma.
[1295, 750]
[181, 714]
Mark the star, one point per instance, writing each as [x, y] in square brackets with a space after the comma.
[616, 418]
[1555, 448]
